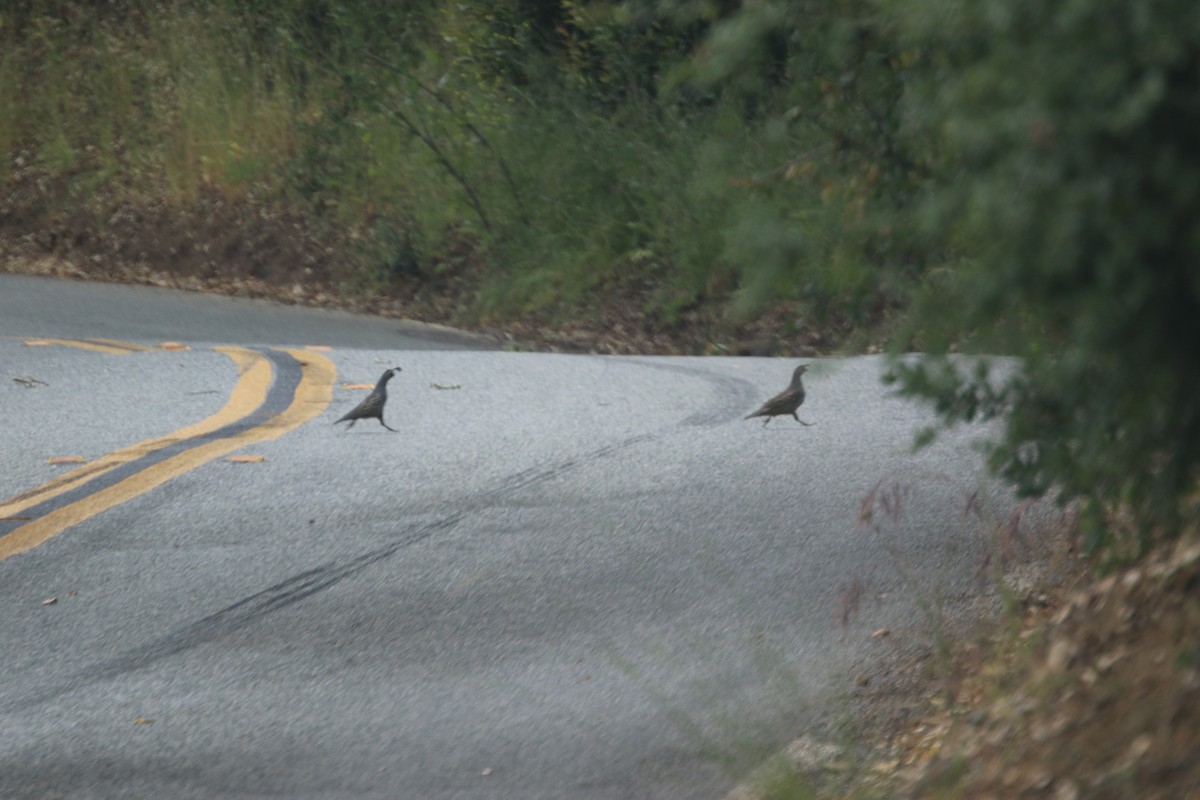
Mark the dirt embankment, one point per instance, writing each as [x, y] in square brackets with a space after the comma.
[1095, 695]
[246, 247]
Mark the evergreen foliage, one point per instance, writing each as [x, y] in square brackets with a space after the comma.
[1066, 202]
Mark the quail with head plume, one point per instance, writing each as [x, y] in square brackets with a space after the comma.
[372, 405]
[786, 402]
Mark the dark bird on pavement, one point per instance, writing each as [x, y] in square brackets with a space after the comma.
[786, 402]
[372, 406]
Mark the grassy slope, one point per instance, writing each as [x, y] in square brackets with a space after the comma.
[180, 148]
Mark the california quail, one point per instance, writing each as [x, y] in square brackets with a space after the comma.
[372, 404]
[786, 402]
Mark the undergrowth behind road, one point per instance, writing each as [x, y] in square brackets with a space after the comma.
[551, 166]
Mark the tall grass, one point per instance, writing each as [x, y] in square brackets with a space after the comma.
[10, 107]
[557, 189]
[600, 193]
[170, 105]
[222, 119]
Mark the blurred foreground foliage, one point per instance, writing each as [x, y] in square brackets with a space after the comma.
[1065, 206]
[1000, 176]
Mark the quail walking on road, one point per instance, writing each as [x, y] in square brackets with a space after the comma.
[372, 405]
[786, 402]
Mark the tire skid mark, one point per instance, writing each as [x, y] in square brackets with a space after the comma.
[302, 585]
[738, 393]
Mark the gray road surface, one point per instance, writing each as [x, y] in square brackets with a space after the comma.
[36, 306]
[568, 577]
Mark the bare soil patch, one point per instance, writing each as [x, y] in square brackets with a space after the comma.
[242, 246]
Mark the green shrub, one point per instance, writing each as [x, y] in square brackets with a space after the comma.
[814, 217]
[1067, 198]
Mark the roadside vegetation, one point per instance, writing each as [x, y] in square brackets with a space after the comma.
[678, 159]
[1001, 177]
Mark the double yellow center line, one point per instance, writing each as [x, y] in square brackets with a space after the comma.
[277, 391]
[109, 346]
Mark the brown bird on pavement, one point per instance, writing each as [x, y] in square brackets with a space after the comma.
[372, 405]
[786, 402]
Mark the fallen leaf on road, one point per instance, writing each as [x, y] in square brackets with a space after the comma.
[66, 460]
[49, 601]
[142, 721]
[881, 633]
[247, 459]
[446, 386]
[29, 382]
[173, 346]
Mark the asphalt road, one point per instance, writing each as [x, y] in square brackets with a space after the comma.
[35, 306]
[565, 576]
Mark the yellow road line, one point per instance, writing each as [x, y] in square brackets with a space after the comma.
[311, 398]
[248, 394]
[100, 348]
[315, 392]
[136, 348]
